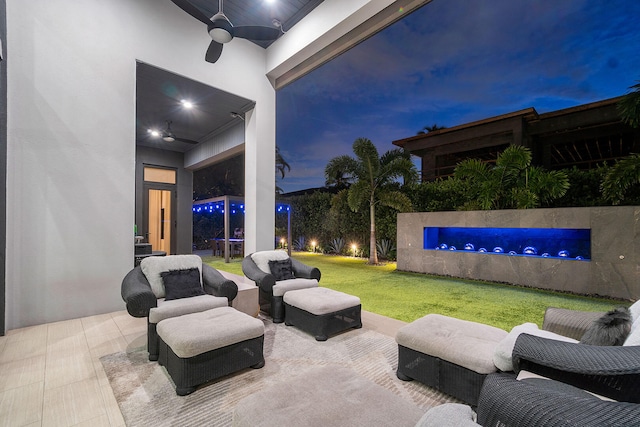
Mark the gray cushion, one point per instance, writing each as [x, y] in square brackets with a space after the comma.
[197, 333]
[502, 356]
[449, 415]
[320, 301]
[464, 343]
[262, 258]
[283, 286]
[153, 266]
[180, 307]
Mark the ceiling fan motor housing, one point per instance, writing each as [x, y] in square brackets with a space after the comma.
[220, 29]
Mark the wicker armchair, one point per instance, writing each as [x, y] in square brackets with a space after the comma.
[611, 371]
[271, 293]
[141, 301]
[507, 402]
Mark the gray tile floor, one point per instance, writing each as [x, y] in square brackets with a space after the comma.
[51, 375]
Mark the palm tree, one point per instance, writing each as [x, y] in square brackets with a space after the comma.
[373, 179]
[626, 172]
[281, 163]
[428, 129]
[512, 183]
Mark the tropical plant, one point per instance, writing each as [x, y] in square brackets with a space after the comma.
[300, 244]
[512, 183]
[385, 249]
[336, 246]
[428, 129]
[374, 176]
[624, 174]
[629, 106]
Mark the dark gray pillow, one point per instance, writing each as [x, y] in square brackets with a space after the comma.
[182, 283]
[610, 329]
[282, 269]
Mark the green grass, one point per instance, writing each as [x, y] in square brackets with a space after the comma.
[409, 296]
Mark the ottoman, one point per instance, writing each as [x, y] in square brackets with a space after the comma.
[200, 347]
[449, 354]
[321, 311]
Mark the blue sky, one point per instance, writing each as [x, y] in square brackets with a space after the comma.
[452, 62]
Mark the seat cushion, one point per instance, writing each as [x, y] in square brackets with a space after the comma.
[282, 286]
[449, 415]
[262, 258]
[461, 342]
[320, 301]
[502, 354]
[197, 333]
[153, 266]
[179, 307]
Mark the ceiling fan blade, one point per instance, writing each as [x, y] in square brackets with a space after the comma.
[188, 141]
[213, 52]
[192, 10]
[255, 32]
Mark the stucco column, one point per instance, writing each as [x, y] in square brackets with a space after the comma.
[259, 181]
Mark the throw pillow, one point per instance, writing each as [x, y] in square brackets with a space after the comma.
[182, 283]
[611, 329]
[282, 269]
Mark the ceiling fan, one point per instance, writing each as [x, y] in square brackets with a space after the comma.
[222, 31]
[169, 136]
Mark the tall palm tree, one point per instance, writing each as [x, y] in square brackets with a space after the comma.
[373, 178]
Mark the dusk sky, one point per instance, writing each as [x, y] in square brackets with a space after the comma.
[453, 62]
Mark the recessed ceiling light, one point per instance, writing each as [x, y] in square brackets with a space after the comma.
[186, 104]
[153, 132]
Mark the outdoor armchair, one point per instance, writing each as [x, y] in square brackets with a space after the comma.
[273, 281]
[508, 402]
[143, 291]
[610, 371]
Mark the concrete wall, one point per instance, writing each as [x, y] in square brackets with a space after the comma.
[614, 269]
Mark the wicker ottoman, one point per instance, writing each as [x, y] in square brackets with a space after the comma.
[449, 354]
[322, 312]
[200, 347]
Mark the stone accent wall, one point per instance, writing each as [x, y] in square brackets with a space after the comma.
[613, 271]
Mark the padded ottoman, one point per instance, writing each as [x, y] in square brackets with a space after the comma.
[449, 354]
[322, 312]
[325, 396]
[200, 347]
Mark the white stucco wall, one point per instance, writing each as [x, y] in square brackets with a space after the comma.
[71, 146]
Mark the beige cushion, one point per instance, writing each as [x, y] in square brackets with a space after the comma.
[182, 306]
[197, 333]
[464, 343]
[262, 258]
[449, 415]
[320, 301]
[283, 286]
[502, 357]
[152, 267]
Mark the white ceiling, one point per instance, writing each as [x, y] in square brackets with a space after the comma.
[159, 92]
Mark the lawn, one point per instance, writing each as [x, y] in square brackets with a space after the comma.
[408, 296]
